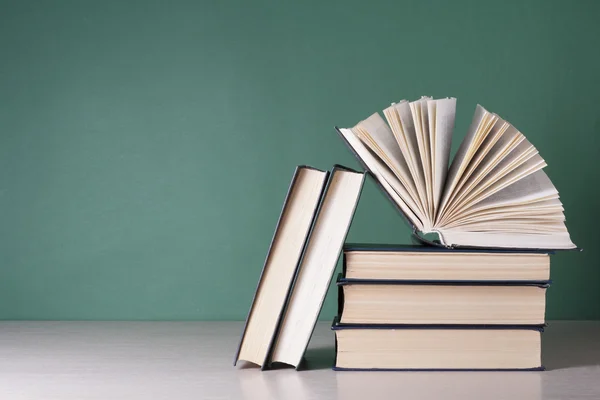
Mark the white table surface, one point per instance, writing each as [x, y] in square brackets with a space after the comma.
[194, 360]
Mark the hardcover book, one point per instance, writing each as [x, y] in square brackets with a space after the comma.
[442, 302]
[377, 347]
[424, 263]
[493, 194]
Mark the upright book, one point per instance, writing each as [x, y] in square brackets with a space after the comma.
[300, 263]
[295, 221]
[317, 265]
[494, 194]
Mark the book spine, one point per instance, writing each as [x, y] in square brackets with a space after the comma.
[340, 290]
[341, 281]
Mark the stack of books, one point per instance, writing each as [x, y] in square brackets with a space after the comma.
[471, 295]
[418, 307]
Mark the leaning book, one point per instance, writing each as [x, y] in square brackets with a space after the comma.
[285, 251]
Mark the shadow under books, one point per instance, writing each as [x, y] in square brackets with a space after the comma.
[565, 345]
[571, 345]
[315, 358]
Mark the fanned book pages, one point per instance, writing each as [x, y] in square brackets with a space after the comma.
[494, 193]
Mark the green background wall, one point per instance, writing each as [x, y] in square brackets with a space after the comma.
[146, 147]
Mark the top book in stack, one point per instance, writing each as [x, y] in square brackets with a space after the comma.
[493, 195]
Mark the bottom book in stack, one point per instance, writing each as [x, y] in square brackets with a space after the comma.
[426, 308]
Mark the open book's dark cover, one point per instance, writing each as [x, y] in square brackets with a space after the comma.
[324, 194]
[386, 194]
[389, 247]
[285, 202]
[415, 233]
[337, 325]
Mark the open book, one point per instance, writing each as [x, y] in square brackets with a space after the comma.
[494, 194]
